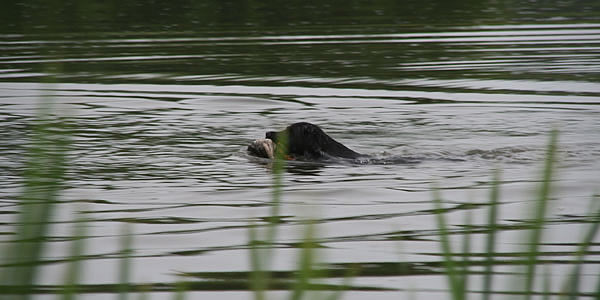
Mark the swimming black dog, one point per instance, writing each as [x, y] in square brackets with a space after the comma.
[304, 141]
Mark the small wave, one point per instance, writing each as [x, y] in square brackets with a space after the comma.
[379, 159]
[503, 153]
[390, 160]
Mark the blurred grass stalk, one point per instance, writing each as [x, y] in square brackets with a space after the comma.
[457, 277]
[125, 263]
[540, 210]
[261, 249]
[42, 181]
[75, 258]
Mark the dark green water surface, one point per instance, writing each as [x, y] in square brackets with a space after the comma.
[162, 97]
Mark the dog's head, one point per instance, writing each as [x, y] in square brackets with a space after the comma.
[299, 140]
[273, 135]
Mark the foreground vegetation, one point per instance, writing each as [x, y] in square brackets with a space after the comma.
[45, 174]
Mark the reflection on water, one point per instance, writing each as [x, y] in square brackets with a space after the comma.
[159, 123]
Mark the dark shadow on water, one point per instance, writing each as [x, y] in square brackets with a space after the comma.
[305, 167]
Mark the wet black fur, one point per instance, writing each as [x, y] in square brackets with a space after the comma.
[308, 141]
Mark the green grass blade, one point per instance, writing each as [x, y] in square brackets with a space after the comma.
[261, 251]
[547, 291]
[278, 169]
[539, 217]
[598, 286]
[125, 264]
[466, 249]
[491, 236]
[345, 283]
[451, 271]
[258, 280]
[75, 257]
[143, 295]
[43, 179]
[305, 272]
[181, 288]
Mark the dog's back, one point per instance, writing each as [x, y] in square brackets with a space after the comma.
[311, 142]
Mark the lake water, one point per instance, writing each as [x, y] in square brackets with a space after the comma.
[161, 112]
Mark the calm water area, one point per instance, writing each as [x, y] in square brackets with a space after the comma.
[163, 98]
